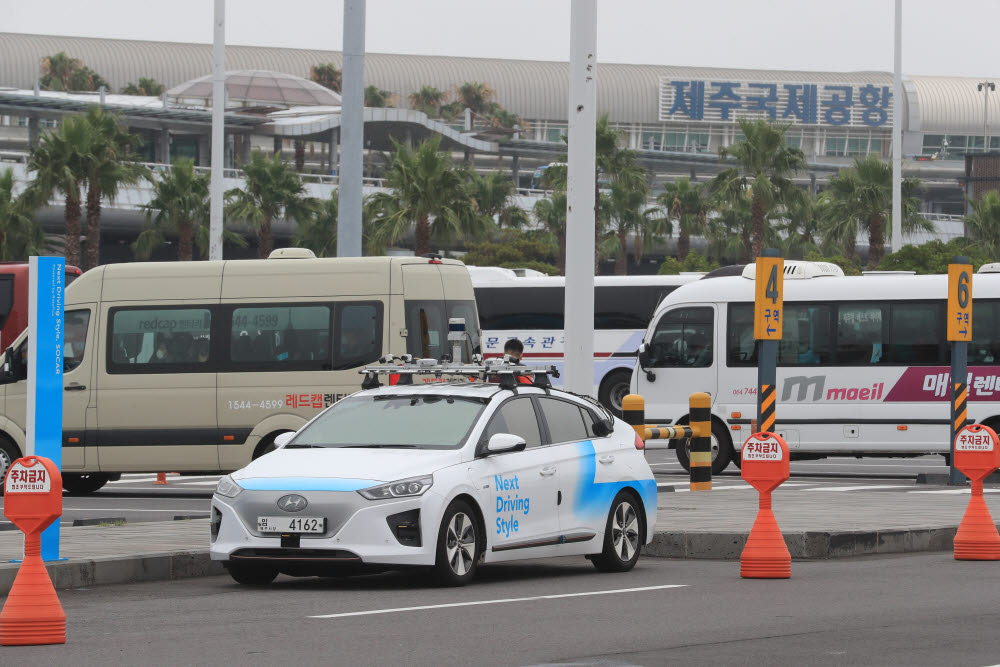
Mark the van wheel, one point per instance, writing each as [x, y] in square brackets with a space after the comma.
[84, 484]
[722, 451]
[266, 446]
[8, 454]
[614, 389]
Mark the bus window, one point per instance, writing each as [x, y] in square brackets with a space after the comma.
[985, 346]
[741, 346]
[505, 308]
[6, 297]
[682, 339]
[859, 335]
[915, 332]
[626, 306]
[165, 340]
[805, 335]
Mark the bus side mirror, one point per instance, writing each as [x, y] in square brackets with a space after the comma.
[5, 370]
[644, 362]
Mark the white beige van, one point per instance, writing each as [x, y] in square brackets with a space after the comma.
[197, 366]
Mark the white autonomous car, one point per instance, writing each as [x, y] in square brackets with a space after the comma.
[443, 475]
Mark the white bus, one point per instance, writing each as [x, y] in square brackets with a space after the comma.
[531, 310]
[863, 364]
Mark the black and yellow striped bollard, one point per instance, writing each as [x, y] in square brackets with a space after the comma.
[700, 457]
[634, 414]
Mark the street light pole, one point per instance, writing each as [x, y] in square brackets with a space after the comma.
[218, 132]
[897, 131]
[985, 87]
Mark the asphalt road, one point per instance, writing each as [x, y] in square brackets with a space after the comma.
[913, 610]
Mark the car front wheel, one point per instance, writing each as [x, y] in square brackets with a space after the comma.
[458, 548]
[623, 536]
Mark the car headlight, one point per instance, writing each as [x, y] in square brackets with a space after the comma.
[228, 488]
[414, 486]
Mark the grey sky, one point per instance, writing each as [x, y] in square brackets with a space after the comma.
[956, 37]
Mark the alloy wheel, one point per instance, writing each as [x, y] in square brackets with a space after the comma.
[625, 531]
[460, 546]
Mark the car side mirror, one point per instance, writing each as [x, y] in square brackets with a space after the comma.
[283, 439]
[505, 442]
[644, 362]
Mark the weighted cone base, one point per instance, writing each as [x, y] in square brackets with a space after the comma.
[32, 614]
[977, 537]
[765, 555]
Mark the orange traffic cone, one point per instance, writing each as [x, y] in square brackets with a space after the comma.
[161, 478]
[977, 537]
[32, 614]
[765, 555]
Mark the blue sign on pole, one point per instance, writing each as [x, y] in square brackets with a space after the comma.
[46, 305]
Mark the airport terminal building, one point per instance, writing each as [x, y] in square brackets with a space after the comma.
[677, 118]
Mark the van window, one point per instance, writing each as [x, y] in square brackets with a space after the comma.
[914, 334]
[985, 346]
[280, 335]
[427, 327]
[6, 297]
[859, 335]
[161, 340]
[360, 328]
[75, 338]
[683, 339]
[806, 335]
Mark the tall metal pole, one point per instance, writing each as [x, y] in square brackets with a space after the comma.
[986, 87]
[218, 131]
[352, 130]
[897, 133]
[580, 202]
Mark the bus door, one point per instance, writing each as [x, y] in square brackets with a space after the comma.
[156, 393]
[682, 359]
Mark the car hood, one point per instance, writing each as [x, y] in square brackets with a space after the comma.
[362, 465]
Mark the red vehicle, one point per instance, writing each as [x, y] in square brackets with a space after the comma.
[14, 299]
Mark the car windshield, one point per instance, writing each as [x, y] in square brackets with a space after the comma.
[424, 422]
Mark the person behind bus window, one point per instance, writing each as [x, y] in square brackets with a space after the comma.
[161, 354]
[698, 353]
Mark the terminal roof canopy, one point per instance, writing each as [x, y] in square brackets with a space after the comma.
[250, 88]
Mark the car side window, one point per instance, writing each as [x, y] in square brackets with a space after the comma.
[564, 419]
[516, 416]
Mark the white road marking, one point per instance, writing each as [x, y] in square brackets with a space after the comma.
[472, 603]
[871, 487]
[956, 491]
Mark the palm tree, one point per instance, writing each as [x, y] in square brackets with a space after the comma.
[57, 71]
[146, 86]
[803, 214]
[319, 232]
[428, 100]
[180, 204]
[376, 97]
[984, 221]
[862, 195]
[20, 235]
[271, 191]
[475, 96]
[493, 196]
[550, 213]
[729, 232]
[764, 164]
[328, 75]
[109, 167]
[627, 214]
[60, 162]
[687, 205]
[424, 185]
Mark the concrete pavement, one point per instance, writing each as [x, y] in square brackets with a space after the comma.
[819, 521]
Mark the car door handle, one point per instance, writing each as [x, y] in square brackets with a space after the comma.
[76, 387]
[607, 458]
[547, 471]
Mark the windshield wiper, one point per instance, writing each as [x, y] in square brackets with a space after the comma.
[379, 447]
[304, 447]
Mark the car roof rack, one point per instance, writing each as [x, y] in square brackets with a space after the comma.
[502, 369]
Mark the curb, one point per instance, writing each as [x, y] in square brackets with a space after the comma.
[807, 545]
[81, 573]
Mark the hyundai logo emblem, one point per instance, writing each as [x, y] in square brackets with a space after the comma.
[292, 503]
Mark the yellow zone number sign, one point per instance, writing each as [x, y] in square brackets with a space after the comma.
[768, 301]
[960, 302]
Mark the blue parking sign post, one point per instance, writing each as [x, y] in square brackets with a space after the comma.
[46, 305]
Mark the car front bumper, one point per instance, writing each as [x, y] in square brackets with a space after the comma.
[358, 531]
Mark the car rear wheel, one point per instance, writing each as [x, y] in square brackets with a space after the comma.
[458, 548]
[623, 536]
[83, 484]
[251, 574]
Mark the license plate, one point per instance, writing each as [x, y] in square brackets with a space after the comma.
[286, 524]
